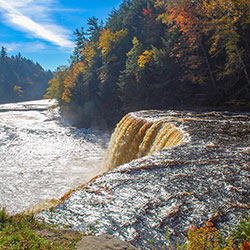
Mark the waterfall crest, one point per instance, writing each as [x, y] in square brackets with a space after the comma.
[136, 136]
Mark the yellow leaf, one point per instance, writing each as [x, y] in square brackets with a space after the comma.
[146, 57]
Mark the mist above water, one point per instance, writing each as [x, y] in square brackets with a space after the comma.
[42, 157]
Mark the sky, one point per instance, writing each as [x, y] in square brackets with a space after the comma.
[42, 30]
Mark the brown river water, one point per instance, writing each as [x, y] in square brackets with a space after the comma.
[203, 176]
[164, 169]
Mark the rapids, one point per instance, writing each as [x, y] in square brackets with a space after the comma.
[41, 156]
[205, 178]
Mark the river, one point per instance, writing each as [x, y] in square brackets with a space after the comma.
[203, 178]
[41, 156]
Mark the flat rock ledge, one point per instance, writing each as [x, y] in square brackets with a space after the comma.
[103, 242]
[204, 179]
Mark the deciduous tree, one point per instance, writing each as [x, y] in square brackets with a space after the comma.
[228, 23]
[186, 16]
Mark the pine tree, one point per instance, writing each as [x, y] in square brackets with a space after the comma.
[3, 54]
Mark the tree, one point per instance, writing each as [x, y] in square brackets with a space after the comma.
[93, 25]
[145, 58]
[148, 55]
[228, 23]
[186, 16]
[130, 78]
[70, 80]
[3, 53]
[94, 28]
[108, 40]
[21, 79]
[56, 85]
[133, 55]
[79, 41]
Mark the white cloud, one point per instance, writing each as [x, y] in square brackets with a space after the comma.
[32, 17]
[24, 47]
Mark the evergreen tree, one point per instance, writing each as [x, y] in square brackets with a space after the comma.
[3, 54]
[79, 41]
[155, 55]
[21, 79]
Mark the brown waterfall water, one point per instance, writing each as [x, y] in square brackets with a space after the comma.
[135, 137]
[204, 178]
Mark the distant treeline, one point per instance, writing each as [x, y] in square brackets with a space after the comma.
[21, 79]
[157, 55]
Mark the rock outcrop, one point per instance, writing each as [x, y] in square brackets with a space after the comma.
[103, 242]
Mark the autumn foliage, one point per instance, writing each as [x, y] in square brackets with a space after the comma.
[158, 54]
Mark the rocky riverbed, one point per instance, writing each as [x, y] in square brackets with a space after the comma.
[206, 178]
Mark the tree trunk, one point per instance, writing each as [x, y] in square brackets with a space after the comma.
[248, 50]
[208, 66]
[243, 65]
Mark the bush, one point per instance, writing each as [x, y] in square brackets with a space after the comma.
[208, 237]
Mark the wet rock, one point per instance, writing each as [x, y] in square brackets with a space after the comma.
[103, 242]
[204, 179]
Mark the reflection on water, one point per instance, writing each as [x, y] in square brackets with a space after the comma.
[42, 158]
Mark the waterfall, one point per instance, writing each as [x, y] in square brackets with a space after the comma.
[137, 136]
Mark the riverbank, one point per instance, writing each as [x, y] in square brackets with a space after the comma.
[25, 232]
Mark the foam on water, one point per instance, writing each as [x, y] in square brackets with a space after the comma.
[41, 157]
[204, 178]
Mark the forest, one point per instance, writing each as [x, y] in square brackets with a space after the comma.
[178, 54]
[21, 79]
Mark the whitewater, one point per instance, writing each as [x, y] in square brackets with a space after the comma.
[42, 156]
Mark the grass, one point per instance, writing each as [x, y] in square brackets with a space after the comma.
[25, 232]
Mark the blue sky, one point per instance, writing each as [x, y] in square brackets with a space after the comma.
[42, 30]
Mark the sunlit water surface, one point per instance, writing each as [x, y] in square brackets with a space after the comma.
[42, 157]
